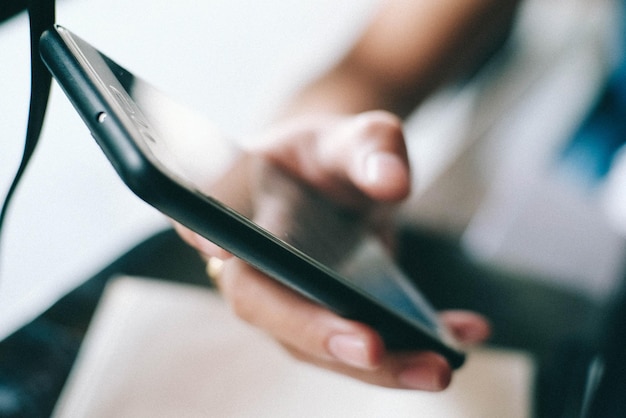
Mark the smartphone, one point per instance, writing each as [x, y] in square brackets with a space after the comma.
[302, 240]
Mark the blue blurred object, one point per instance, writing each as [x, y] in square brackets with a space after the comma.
[589, 156]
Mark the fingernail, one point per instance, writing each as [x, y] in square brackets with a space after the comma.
[349, 349]
[382, 166]
[425, 376]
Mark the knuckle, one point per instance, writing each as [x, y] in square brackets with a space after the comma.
[379, 125]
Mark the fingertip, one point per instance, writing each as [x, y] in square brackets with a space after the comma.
[467, 327]
[428, 372]
[384, 176]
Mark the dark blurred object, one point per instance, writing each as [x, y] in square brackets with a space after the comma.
[607, 393]
[562, 381]
[526, 313]
[9, 9]
[35, 361]
[559, 328]
[587, 378]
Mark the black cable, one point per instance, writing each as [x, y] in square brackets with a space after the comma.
[11, 8]
[41, 15]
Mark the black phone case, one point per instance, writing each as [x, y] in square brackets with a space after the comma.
[74, 71]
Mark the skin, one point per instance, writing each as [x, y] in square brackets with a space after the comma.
[342, 134]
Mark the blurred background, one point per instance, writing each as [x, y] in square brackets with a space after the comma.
[483, 152]
[491, 174]
[233, 61]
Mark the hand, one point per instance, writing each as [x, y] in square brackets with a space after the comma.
[360, 163]
[317, 336]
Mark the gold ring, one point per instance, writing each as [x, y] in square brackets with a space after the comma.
[214, 269]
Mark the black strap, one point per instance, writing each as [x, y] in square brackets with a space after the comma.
[41, 16]
[10, 8]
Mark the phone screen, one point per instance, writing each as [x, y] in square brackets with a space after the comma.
[283, 206]
[189, 150]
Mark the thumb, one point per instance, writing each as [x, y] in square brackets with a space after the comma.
[378, 164]
[345, 156]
